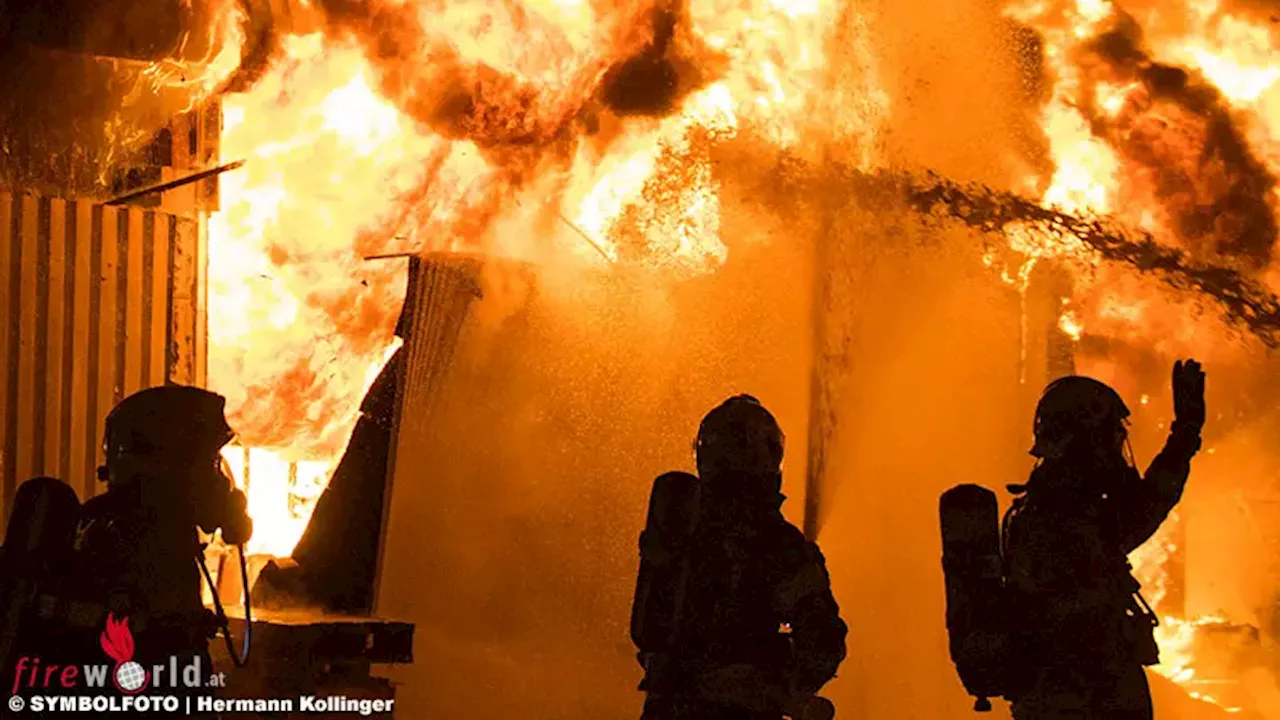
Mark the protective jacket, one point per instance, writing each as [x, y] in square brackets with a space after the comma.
[1077, 614]
[139, 566]
[137, 562]
[757, 595]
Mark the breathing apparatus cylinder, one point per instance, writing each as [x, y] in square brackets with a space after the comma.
[38, 540]
[673, 511]
[973, 574]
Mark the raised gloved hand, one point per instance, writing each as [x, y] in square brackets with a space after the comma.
[1188, 395]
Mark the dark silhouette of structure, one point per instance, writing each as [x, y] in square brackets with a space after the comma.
[1080, 632]
[336, 562]
[337, 555]
[733, 616]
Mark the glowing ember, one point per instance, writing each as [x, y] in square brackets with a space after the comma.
[1068, 323]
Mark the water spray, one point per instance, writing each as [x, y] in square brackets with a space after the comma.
[1244, 301]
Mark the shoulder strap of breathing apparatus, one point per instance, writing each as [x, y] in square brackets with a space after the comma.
[1136, 606]
[1021, 500]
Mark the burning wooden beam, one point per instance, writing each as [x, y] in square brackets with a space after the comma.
[173, 184]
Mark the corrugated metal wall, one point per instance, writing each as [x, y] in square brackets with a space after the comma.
[95, 303]
[440, 291]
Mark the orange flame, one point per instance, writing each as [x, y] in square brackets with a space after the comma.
[422, 126]
[1117, 171]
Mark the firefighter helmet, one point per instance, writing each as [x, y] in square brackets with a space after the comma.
[741, 437]
[167, 424]
[1077, 409]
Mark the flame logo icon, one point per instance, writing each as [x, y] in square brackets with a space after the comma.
[117, 643]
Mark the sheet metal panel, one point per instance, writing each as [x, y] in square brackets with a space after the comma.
[95, 303]
[438, 297]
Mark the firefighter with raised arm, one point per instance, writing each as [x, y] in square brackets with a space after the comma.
[1082, 629]
[733, 616]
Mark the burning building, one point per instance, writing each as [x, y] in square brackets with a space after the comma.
[106, 197]
[100, 299]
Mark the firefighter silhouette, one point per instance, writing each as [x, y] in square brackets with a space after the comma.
[1082, 629]
[733, 615]
[136, 547]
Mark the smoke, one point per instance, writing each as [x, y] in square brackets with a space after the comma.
[263, 36]
[1185, 148]
[527, 487]
[669, 66]
[91, 88]
[511, 116]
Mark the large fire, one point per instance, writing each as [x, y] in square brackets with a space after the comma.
[576, 130]
[409, 127]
